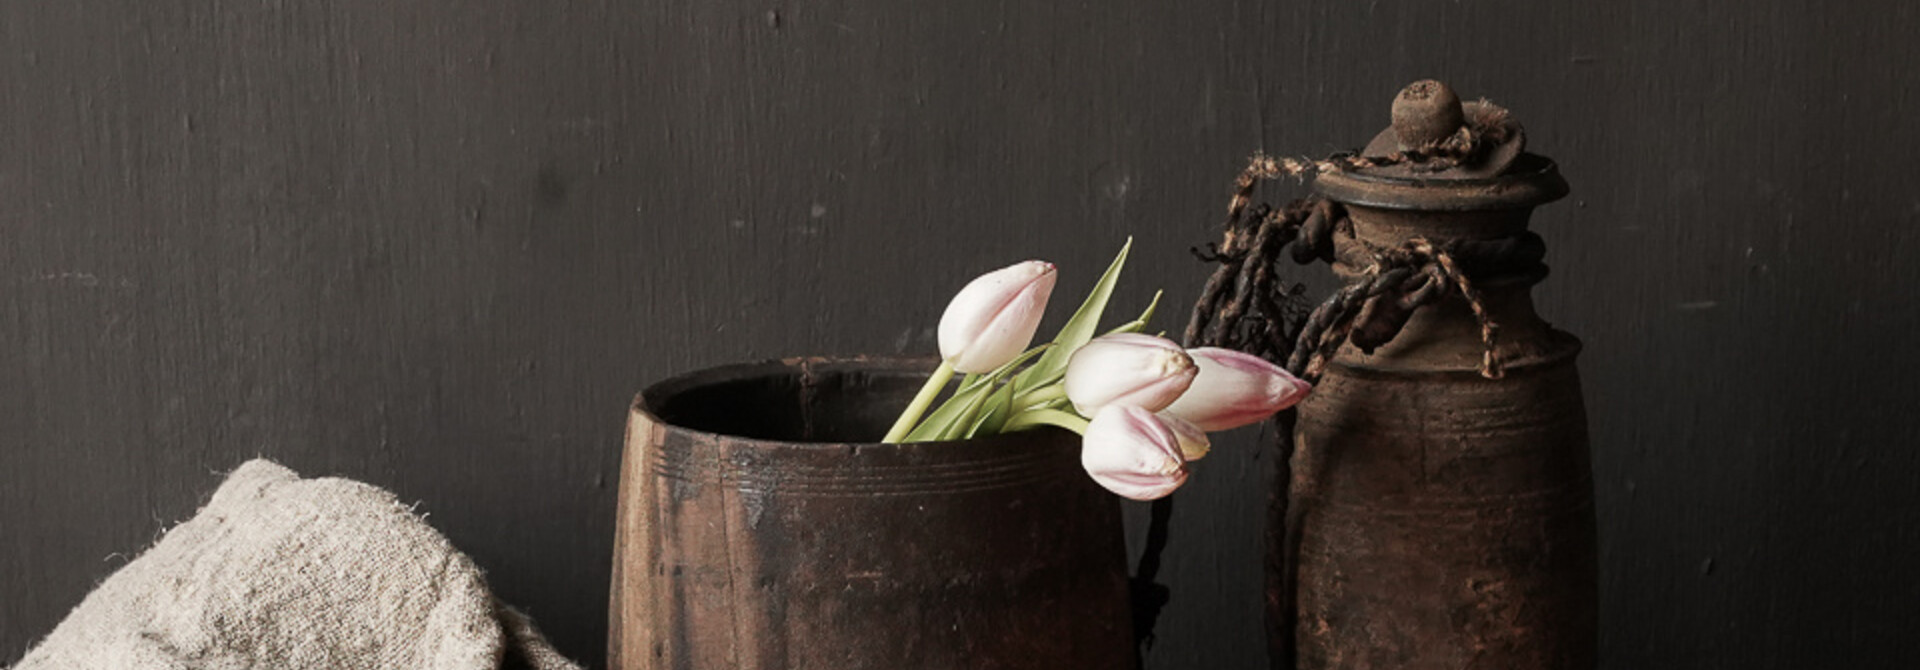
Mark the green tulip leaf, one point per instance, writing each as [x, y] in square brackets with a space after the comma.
[1047, 417]
[936, 422]
[960, 425]
[1082, 326]
[998, 407]
[943, 420]
[1139, 324]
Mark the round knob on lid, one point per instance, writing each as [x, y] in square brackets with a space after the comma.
[1426, 112]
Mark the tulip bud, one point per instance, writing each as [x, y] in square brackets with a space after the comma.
[1234, 389]
[1194, 443]
[993, 318]
[1128, 369]
[1129, 451]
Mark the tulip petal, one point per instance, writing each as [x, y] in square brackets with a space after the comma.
[1128, 369]
[994, 317]
[1129, 451]
[1234, 389]
[1194, 443]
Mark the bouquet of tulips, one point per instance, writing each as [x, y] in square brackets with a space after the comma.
[1142, 404]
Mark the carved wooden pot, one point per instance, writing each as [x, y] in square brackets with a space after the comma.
[760, 527]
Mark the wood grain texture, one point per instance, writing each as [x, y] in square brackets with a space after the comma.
[437, 245]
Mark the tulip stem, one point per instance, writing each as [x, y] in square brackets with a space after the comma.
[1046, 417]
[935, 383]
[1039, 396]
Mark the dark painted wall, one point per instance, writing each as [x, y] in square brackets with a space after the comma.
[437, 244]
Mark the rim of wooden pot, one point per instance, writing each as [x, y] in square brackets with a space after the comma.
[917, 367]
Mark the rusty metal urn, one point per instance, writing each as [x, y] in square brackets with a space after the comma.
[1446, 516]
[760, 527]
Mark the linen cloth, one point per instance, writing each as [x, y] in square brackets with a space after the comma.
[282, 572]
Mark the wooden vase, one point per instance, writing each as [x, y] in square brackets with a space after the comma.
[761, 527]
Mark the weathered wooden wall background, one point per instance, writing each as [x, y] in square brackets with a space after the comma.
[437, 245]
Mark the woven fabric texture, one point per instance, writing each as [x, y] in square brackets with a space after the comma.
[282, 572]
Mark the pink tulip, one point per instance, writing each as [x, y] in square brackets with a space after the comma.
[1128, 369]
[1234, 389]
[1194, 443]
[1132, 453]
[993, 318]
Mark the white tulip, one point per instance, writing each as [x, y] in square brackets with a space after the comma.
[993, 318]
[1128, 369]
[1234, 389]
[1129, 451]
[1194, 443]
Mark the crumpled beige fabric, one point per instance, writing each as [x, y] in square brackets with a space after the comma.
[282, 572]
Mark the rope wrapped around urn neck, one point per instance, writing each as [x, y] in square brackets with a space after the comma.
[1246, 306]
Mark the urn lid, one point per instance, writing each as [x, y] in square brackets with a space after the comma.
[1489, 167]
